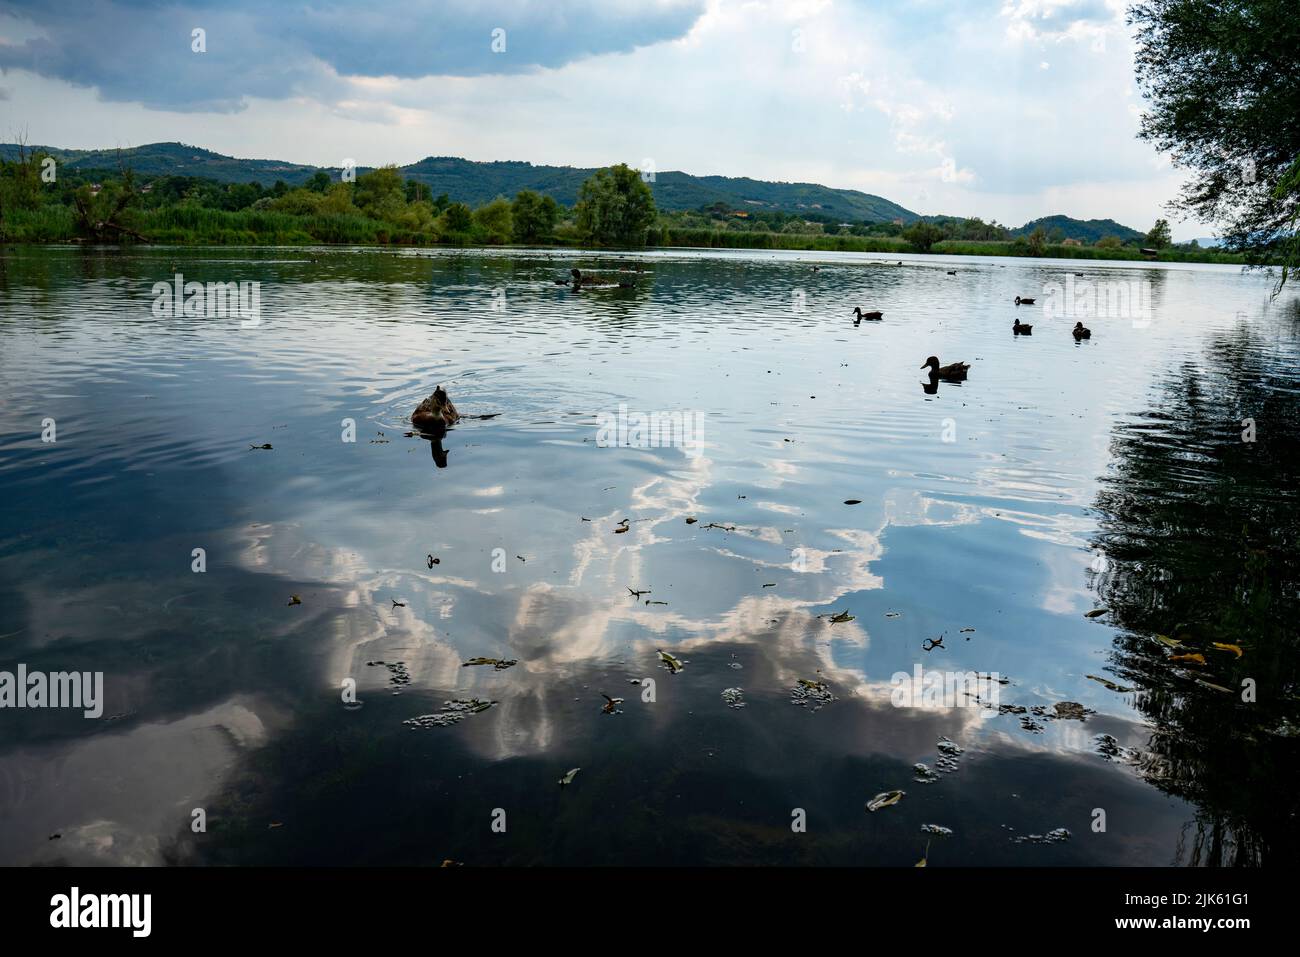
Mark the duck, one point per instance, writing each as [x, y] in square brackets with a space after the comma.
[954, 372]
[875, 316]
[592, 282]
[1021, 329]
[435, 413]
[952, 272]
[1021, 301]
[1080, 332]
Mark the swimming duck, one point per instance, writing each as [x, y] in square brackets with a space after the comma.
[435, 413]
[952, 272]
[593, 282]
[954, 372]
[1020, 301]
[1080, 332]
[1020, 329]
[875, 316]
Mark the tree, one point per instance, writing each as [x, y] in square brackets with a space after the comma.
[1160, 236]
[1223, 86]
[922, 235]
[615, 207]
[1109, 242]
[1037, 241]
[417, 192]
[318, 182]
[492, 222]
[380, 193]
[534, 216]
[456, 221]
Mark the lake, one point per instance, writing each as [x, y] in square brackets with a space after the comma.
[283, 632]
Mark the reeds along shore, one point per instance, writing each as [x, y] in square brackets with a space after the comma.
[200, 226]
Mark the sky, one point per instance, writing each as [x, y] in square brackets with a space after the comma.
[1002, 109]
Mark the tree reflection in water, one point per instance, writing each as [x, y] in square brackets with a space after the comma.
[1200, 532]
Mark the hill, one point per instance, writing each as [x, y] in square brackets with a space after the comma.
[1085, 230]
[476, 183]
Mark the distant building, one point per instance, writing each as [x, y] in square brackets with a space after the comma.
[1071, 242]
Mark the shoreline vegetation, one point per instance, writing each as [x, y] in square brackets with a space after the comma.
[615, 209]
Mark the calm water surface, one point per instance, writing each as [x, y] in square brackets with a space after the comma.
[1060, 478]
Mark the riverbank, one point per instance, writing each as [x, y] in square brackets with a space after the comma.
[197, 226]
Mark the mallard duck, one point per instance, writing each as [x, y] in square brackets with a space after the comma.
[1020, 329]
[1080, 332]
[1021, 301]
[955, 371]
[875, 316]
[435, 413]
[580, 281]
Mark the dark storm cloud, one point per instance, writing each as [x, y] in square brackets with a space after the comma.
[140, 50]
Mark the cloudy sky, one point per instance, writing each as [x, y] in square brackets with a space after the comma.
[1004, 109]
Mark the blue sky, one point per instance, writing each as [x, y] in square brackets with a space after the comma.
[1005, 109]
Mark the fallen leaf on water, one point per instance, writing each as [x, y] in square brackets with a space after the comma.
[1214, 686]
[674, 665]
[1095, 613]
[569, 776]
[275, 824]
[500, 664]
[1235, 649]
[691, 520]
[842, 616]
[1166, 640]
[1109, 684]
[885, 799]
[295, 600]
[1194, 657]
[853, 501]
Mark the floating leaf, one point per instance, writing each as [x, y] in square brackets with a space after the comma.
[500, 664]
[295, 600]
[842, 616]
[691, 520]
[1109, 684]
[885, 799]
[938, 830]
[1166, 640]
[569, 776]
[674, 664]
[1194, 657]
[1235, 649]
[853, 501]
[1215, 687]
[1096, 613]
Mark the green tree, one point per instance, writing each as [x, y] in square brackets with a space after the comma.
[922, 235]
[615, 207]
[318, 182]
[1223, 86]
[380, 193]
[492, 222]
[456, 222]
[1037, 241]
[1160, 236]
[1109, 242]
[534, 216]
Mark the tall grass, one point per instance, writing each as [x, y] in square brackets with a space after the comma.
[48, 224]
[738, 239]
[199, 225]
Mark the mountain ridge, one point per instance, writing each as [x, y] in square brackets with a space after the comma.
[477, 182]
